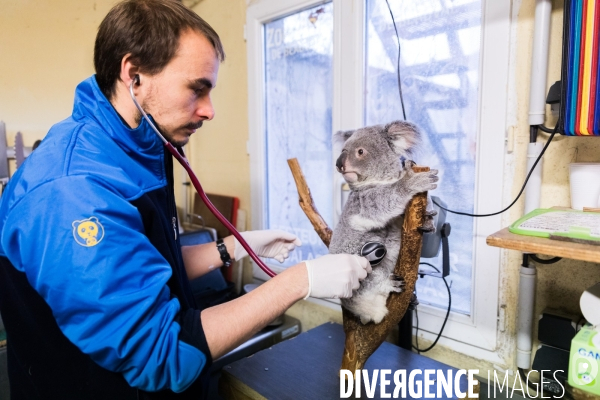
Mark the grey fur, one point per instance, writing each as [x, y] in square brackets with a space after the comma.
[381, 186]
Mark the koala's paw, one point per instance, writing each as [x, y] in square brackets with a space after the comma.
[408, 164]
[428, 223]
[397, 283]
[422, 181]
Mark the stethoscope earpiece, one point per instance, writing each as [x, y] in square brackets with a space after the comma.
[136, 79]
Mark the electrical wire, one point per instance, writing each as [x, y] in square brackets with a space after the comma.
[546, 129]
[431, 265]
[532, 385]
[544, 261]
[520, 192]
[419, 351]
[541, 127]
[398, 67]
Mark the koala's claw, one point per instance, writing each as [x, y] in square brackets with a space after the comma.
[421, 182]
[397, 283]
[408, 164]
[413, 302]
[426, 228]
[428, 225]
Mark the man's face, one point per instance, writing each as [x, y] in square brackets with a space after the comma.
[178, 98]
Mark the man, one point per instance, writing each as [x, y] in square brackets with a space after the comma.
[94, 287]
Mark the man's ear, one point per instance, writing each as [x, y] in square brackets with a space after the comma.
[129, 70]
[403, 136]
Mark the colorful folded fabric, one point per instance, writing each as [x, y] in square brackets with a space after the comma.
[580, 102]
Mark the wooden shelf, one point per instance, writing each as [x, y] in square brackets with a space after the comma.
[538, 245]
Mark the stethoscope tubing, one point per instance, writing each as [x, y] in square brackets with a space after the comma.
[180, 156]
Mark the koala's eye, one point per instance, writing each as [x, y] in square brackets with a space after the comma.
[360, 152]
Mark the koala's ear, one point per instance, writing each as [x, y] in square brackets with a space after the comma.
[404, 136]
[340, 137]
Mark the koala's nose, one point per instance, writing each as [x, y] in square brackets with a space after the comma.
[340, 162]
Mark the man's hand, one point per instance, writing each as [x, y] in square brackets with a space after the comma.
[335, 276]
[269, 243]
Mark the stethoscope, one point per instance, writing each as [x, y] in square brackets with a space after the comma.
[373, 251]
[180, 156]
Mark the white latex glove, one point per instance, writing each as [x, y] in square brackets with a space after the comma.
[335, 276]
[269, 243]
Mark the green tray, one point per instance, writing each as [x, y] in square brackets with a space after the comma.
[546, 222]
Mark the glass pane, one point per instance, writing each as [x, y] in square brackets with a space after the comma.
[299, 89]
[440, 79]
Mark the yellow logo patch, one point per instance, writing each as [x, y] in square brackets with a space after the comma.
[88, 232]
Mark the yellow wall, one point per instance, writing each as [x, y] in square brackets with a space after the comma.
[219, 154]
[559, 285]
[46, 49]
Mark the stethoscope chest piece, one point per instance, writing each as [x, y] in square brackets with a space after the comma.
[374, 252]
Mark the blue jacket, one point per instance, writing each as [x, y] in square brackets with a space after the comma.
[91, 259]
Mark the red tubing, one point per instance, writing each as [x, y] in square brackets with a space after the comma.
[184, 162]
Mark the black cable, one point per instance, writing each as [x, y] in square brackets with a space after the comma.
[520, 192]
[445, 319]
[530, 384]
[533, 386]
[532, 133]
[432, 266]
[399, 51]
[544, 261]
[546, 129]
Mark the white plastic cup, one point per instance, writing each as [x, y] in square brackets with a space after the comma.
[585, 185]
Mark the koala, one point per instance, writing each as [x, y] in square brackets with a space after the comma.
[374, 163]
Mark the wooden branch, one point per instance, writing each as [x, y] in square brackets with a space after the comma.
[363, 340]
[307, 204]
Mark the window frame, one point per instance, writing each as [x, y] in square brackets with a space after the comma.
[475, 334]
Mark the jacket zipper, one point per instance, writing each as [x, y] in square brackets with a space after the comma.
[170, 194]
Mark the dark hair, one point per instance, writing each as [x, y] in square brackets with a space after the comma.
[149, 30]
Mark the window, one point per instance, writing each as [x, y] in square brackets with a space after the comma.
[440, 71]
[298, 53]
[453, 88]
